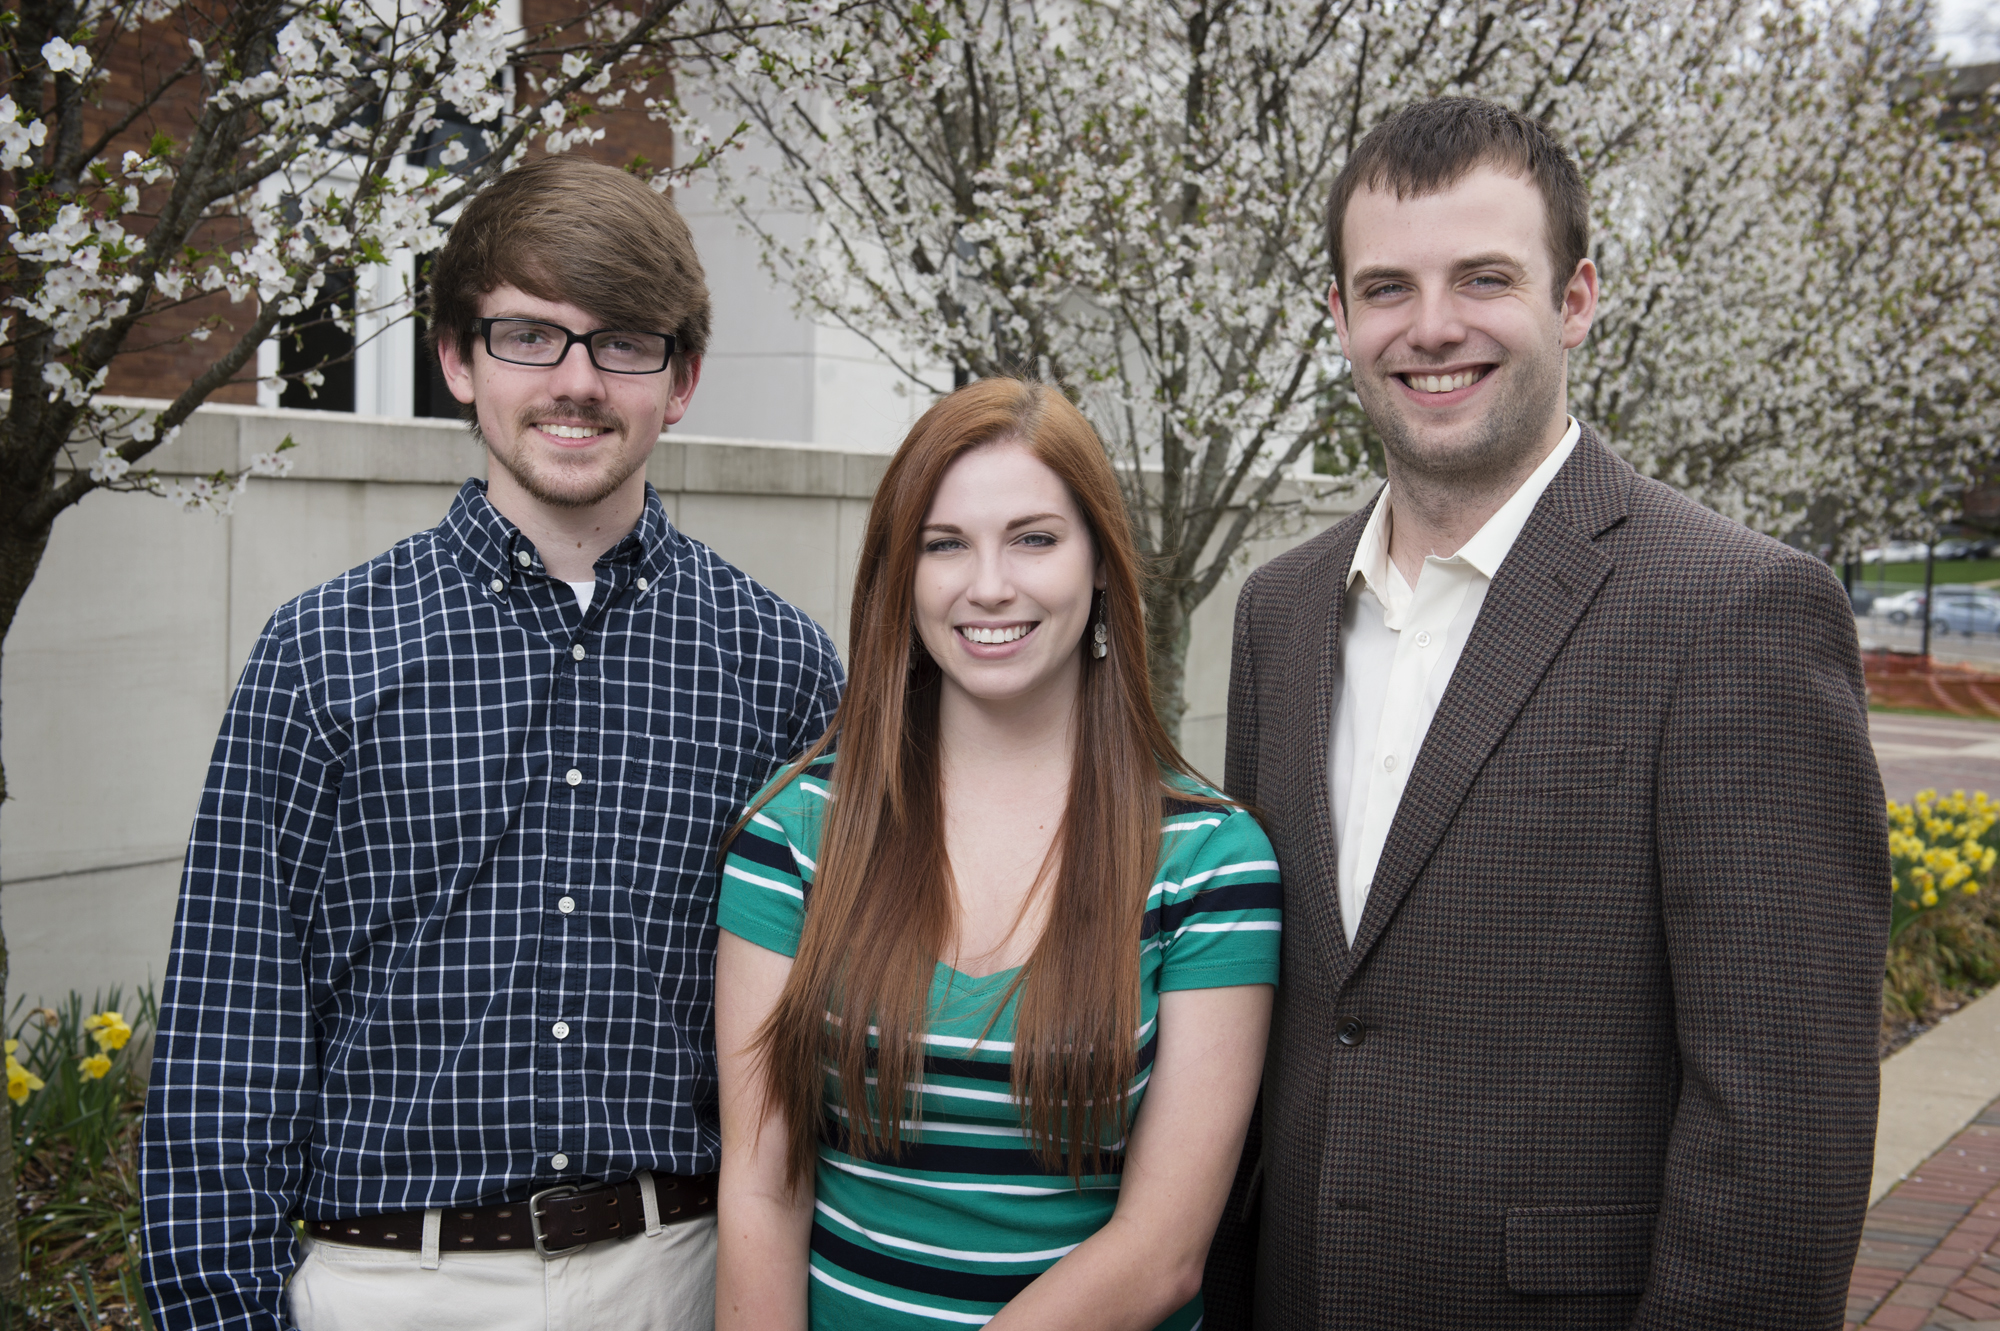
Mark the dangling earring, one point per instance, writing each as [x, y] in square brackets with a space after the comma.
[1100, 636]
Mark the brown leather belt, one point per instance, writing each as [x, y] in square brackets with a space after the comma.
[554, 1222]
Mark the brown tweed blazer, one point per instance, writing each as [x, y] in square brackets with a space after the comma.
[1603, 1052]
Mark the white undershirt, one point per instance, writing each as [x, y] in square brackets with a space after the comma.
[583, 591]
[1398, 647]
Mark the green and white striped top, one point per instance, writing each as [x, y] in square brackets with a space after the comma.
[966, 1217]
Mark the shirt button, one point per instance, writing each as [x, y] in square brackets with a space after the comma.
[574, 777]
[642, 584]
[558, 1161]
[577, 651]
[566, 905]
[498, 584]
[1423, 640]
[523, 558]
[560, 1030]
[1388, 764]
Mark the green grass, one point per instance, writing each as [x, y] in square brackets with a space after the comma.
[1944, 570]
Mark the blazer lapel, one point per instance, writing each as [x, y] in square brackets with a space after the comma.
[1314, 662]
[1548, 579]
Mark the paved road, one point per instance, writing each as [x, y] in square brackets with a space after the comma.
[1942, 752]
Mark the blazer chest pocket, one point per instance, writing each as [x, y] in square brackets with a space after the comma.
[1579, 1249]
[1547, 770]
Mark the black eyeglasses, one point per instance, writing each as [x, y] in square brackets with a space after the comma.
[532, 342]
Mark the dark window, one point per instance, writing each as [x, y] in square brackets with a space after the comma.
[430, 395]
[313, 341]
[427, 149]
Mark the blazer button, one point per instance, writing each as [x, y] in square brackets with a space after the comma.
[1353, 1033]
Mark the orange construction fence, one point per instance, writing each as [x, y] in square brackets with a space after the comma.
[1908, 679]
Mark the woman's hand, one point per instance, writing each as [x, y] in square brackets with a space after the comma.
[764, 1225]
[1147, 1261]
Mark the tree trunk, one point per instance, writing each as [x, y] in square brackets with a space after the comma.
[1167, 625]
[19, 559]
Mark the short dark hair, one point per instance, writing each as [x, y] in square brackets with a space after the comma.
[567, 229]
[1429, 146]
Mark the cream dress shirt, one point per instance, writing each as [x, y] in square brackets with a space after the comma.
[1398, 647]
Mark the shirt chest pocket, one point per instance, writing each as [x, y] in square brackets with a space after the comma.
[685, 804]
[1549, 770]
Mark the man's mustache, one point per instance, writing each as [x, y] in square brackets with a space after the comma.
[568, 412]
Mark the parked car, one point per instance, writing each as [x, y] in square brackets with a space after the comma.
[1900, 608]
[1966, 610]
[1896, 552]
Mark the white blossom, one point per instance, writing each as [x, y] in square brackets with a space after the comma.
[18, 139]
[110, 466]
[63, 58]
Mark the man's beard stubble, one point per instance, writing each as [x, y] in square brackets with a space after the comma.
[1510, 433]
[544, 486]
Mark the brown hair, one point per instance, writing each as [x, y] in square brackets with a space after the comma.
[881, 914]
[1429, 146]
[565, 229]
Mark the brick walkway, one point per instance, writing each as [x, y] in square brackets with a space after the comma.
[1930, 1252]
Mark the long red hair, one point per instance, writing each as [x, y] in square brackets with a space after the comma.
[880, 912]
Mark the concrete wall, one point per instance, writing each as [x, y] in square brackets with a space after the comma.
[128, 644]
[771, 373]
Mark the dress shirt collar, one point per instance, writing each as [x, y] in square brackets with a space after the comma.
[1483, 553]
[488, 545]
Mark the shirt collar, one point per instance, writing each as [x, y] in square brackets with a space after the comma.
[489, 546]
[1484, 552]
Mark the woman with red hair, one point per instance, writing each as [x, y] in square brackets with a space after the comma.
[996, 889]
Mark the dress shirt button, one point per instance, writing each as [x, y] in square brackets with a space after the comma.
[574, 777]
[498, 584]
[560, 1030]
[1353, 1033]
[523, 558]
[1423, 639]
[566, 905]
[577, 651]
[1388, 764]
[558, 1161]
[642, 584]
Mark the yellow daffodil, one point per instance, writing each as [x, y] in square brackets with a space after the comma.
[109, 1029]
[1938, 844]
[95, 1066]
[20, 1082]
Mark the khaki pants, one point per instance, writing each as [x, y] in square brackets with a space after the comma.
[661, 1280]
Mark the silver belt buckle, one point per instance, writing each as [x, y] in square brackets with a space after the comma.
[542, 1249]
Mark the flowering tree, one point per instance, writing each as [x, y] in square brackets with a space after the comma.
[1127, 196]
[1801, 274]
[206, 195]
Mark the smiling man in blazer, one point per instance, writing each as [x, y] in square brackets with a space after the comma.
[1586, 876]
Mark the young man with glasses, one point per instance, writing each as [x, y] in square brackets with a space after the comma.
[442, 978]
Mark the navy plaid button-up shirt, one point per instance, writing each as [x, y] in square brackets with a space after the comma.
[447, 925]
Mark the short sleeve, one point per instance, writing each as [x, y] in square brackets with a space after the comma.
[1222, 906]
[768, 870]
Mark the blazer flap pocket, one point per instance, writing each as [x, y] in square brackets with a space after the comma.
[1579, 1249]
[1570, 767]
